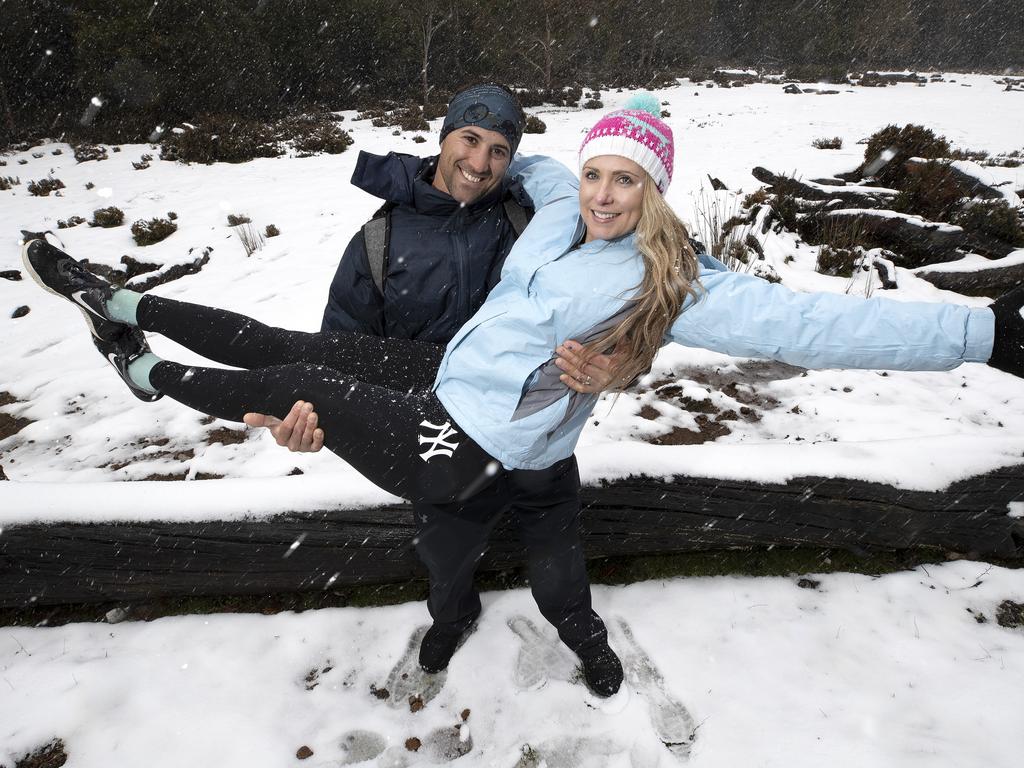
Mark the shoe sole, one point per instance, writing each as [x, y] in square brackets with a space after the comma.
[90, 318]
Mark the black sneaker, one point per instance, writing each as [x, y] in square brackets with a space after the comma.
[602, 670]
[121, 352]
[437, 648]
[62, 276]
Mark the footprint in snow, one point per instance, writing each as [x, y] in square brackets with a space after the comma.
[540, 659]
[670, 719]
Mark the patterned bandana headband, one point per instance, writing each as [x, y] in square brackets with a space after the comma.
[637, 133]
[486, 106]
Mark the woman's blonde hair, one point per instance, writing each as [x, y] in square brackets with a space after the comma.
[670, 276]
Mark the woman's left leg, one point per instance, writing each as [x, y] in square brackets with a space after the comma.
[234, 339]
[404, 442]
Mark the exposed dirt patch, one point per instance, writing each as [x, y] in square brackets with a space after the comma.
[707, 431]
[167, 477]
[184, 455]
[51, 755]
[649, 413]
[742, 385]
[10, 425]
[226, 436]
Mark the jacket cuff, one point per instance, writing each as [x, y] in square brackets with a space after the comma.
[981, 332]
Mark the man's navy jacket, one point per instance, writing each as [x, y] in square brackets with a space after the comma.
[443, 257]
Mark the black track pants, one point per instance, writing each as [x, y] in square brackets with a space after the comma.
[371, 395]
[453, 539]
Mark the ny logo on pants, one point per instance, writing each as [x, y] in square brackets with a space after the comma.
[439, 445]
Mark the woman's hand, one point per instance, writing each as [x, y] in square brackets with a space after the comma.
[592, 377]
[298, 430]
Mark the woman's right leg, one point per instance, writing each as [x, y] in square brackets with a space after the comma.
[404, 442]
[234, 339]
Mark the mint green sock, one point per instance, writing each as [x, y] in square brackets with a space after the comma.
[140, 368]
[123, 306]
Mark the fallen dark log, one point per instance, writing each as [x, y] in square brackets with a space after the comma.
[860, 196]
[918, 242]
[79, 563]
[984, 282]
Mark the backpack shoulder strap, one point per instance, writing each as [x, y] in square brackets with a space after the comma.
[376, 239]
[517, 215]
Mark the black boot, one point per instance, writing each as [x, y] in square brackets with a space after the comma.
[601, 669]
[437, 648]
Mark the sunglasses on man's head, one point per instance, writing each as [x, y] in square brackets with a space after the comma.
[477, 114]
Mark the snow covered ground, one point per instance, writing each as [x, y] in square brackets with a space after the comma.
[891, 671]
[906, 670]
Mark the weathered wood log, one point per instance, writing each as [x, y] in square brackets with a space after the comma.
[984, 282]
[918, 241]
[79, 563]
[861, 196]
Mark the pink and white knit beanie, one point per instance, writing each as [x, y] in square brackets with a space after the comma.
[638, 133]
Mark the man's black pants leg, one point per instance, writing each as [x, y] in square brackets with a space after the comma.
[547, 503]
[451, 540]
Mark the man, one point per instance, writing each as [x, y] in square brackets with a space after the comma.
[419, 270]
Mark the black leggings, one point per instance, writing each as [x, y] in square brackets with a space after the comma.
[372, 395]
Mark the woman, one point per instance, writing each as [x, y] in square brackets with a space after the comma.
[604, 260]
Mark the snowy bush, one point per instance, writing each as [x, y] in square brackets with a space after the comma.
[534, 125]
[107, 217]
[70, 222]
[152, 231]
[86, 152]
[903, 143]
[221, 139]
[6, 182]
[992, 218]
[838, 262]
[44, 187]
[834, 143]
[313, 133]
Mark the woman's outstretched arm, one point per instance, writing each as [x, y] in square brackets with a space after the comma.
[745, 316]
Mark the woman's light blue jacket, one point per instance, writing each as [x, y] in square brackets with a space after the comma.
[550, 292]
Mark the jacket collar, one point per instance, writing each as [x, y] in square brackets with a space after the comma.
[403, 179]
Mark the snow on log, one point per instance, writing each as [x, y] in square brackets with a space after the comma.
[863, 196]
[975, 276]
